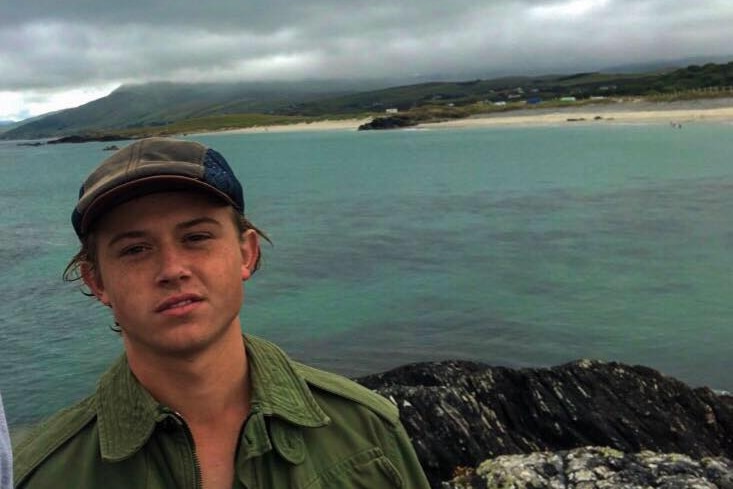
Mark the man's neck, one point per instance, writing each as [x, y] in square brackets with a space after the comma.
[211, 391]
[203, 388]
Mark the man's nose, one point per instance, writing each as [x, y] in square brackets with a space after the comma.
[172, 264]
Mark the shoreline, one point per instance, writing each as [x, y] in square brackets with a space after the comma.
[623, 112]
[326, 125]
[619, 113]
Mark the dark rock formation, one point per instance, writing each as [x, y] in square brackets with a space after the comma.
[461, 413]
[87, 139]
[389, 122]
[597, 468]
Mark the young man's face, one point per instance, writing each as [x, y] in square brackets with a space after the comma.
[171, 266]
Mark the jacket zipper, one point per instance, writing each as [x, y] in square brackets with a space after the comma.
[192, 447]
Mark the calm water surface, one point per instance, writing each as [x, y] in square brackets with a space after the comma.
[512, 246]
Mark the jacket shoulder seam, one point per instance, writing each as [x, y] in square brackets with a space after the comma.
[348, 389]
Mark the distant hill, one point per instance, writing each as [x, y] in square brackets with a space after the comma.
[163, 108]
[6, 126]
[666, 65]
[541, 88]
[159, 104]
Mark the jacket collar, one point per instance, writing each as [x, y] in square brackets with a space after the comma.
[127, 414]
[277, 390]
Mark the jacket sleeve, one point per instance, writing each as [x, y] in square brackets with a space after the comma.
[404, 458]
[6, 457]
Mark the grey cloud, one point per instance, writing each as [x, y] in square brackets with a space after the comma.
[87, 43]
[254, 15]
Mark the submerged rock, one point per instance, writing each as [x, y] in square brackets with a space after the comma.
[459, 414]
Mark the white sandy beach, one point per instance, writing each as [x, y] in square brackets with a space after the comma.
[626, 112]
[328, 125]
[677, 113]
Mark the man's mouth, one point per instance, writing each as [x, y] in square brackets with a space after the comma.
[180, 304]
[174, 303]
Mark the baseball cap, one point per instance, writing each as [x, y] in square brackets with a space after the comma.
[154, 165]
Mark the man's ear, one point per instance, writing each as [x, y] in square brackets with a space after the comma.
[250, 247]
[91, 279]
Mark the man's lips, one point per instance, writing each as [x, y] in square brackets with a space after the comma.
[178, 302]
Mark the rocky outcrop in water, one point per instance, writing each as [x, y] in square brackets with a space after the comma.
[388, 122]
[462, 413]
[86, 139]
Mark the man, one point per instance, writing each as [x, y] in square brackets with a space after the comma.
[192, 403]
[6, 454]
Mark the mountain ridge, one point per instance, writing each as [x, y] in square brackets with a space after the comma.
[163, 108]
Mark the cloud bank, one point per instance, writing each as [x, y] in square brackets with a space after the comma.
[47, 47]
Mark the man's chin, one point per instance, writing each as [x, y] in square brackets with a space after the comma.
[174, 344]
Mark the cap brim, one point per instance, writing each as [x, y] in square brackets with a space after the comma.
[144, 186]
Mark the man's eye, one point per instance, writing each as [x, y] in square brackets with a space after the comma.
[195, 237]
[132, 250]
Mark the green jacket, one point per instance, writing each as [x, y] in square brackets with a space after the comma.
[306, 429]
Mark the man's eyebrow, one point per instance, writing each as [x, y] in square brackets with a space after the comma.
[197, 221]
[125, 235]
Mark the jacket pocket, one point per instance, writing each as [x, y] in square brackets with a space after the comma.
[368, 469]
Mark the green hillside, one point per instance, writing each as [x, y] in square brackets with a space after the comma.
[169, 108]
[137, 108]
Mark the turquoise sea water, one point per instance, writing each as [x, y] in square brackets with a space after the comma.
[512, 246]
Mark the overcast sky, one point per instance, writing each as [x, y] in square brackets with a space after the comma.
[61, 54]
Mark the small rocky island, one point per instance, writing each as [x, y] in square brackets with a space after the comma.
[88, 138]
[77, 139]
[586, 424]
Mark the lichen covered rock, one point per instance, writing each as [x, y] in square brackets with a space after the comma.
[597, 468]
